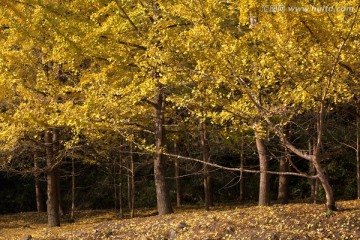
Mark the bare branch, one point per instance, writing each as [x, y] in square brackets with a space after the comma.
[237, 169]
[126, 16]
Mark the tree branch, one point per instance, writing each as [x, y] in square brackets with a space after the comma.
[127, 16]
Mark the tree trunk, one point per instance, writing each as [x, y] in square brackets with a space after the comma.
[314, 184]
[205, 158]
[115, 185]
[314, 181]
[132, 169]
[55, 144]
[129, 187]
[178, 183]
[330, 200]
[72, 214]
[39, 195]
[58, 187]
[358, 149]
[162, 190]
[52, 191]
[283, 192]
[121, 207]
[264, 189]
[177, 179]
[242, 161]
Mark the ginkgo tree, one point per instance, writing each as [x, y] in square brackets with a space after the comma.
[300, 63]
[36, 67]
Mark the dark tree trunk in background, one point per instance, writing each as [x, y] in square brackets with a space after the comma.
[314, 184]
[315, 181]
[52, 191]
[129, 187]
[177, 179]
[115, 185]
[162, 190]
[283, 192]
[132, 192]
[178, 183]
[121, 207]
[242, 162]
[264, 189]
[72, 213]
[58, 187]
[205, 158]
[40, 206]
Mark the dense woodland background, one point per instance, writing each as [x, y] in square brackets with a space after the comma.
[129, 104]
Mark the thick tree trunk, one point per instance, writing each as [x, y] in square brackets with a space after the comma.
[205, 158]
[330, 200]
[283, 192]
[55, 143]
[162, 190]
[52, 185]
[264, 189]
[242, 162]
[39, 195]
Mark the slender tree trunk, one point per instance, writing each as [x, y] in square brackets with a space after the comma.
[162, 190]
[314, 181]
[205, 158]
[242, 161]
[314, 184]
[178, 183]
[58, 183]
[39, 195]
[358, 149]
[283, 193]
[316, 189]
[121, 207]
[129, 187]
[115, 185]
[177, 179]
[132, 169]
[52, 191]
[72, 213]
[264, 189]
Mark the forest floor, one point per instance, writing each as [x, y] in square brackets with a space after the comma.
[292, 221]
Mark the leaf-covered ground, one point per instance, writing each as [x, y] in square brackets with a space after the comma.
[293, 221]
